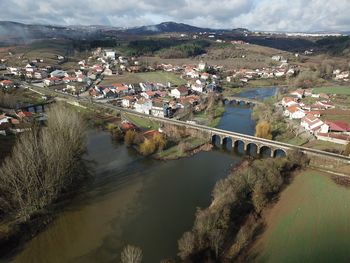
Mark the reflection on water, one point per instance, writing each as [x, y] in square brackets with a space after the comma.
[132, 200]
[135, 200]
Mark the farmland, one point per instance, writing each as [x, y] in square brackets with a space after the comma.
[131, 78]
[309, 223]
[341, 90]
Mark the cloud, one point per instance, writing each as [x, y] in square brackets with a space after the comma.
[284, 15]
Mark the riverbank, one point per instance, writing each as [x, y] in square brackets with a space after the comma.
[234, 214]
[308, 223]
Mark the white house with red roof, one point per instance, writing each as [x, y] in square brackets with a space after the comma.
[179, 92]
[289, 101]
[314, 124]
[299, 93]
[294, 112]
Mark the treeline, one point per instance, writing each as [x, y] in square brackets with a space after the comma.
[45, 162]
[185, 50]
[165, 47]
[335, 45]
[223, 230]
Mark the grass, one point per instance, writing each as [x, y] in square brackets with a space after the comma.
[174, 153]
[343, 118]
[203, 119]
[143, 123]
[157, 76]
[325, 146]
[309, 223]
[298, 141]
[333, 90]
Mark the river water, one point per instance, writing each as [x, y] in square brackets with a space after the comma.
[136, 200]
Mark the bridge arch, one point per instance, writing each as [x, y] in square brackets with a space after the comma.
[216, 139]
[266, 151]
[227, 142]
[239, 146]
[279, 153]
[252, 148]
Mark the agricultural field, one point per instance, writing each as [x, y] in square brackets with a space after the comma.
[310, 223]
[157, 76]
[325, 146]
[340, 90]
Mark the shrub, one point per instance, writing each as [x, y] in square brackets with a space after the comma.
[148, 147]
[130, 137]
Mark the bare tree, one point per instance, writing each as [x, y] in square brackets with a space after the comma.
[186, 245]
[131, 254]
[44, 162]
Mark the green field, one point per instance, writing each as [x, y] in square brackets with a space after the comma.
[143, 123]
[333, 90]
[310, 223]
[157, 76]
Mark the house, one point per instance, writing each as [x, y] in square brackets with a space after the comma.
[158, 108]
[143, 106]
[52, 81]
[205, 76]
[4, 118]
[334, 137]
[7, 84]
[58, 74]
[149, 94]
[299, 93]
[289, 101]
[202, 66]
[197, 87]
[325, 104]
[178, 92]
[338, 126]
[128, 101]
[121, 89]
[294, 112]
[314, 125]
[107, 72]
[109, 54]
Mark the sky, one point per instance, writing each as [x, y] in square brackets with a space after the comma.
[263, 15]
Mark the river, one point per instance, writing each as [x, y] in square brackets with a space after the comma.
[136, 200]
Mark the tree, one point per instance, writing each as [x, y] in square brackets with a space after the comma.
[44, 162]
[131, 254]
[159, 141]
[130, 137]
[263, 130]
[186, 245]
[216, 240]
[148, 147]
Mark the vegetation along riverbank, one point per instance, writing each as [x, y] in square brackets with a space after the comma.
[46, 163]
[225, 229]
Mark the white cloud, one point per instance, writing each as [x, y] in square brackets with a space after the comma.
[286, 15]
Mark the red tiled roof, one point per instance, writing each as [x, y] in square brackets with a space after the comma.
[338, 126]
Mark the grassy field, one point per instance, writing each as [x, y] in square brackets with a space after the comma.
[325, 146]
[157, 76]
[310, 223]
[143, 123]
[333, 90]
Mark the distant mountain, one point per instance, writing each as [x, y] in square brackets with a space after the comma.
[13, 32]
[168, 27]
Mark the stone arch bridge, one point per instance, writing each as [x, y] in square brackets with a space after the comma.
[223, 135]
